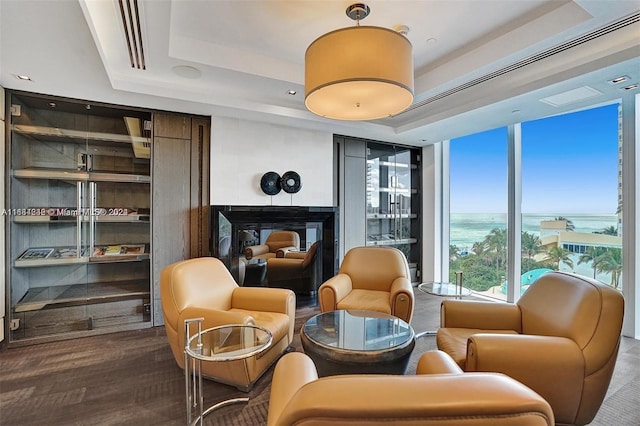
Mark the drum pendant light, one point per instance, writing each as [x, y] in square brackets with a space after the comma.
[359, 73]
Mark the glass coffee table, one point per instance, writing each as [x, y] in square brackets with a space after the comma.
[217, 344]
[356, 341]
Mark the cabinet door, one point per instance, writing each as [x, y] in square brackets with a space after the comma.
[393, 200]
[78, 218]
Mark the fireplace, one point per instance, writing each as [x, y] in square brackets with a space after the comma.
[235, 227]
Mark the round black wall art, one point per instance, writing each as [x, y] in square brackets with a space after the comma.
[270, 183]
[290, 182]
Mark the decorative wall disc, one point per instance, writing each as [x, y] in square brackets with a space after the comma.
[290, 182]
[270, 183]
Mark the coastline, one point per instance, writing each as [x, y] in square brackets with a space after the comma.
[468, 228]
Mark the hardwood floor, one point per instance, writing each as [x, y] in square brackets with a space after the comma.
[131, 378]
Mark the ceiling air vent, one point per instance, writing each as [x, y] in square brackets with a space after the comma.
[624, 22]
[130, 15]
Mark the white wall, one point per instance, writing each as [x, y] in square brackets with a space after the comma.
[242, 151]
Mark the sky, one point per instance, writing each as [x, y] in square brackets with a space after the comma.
[569, 166]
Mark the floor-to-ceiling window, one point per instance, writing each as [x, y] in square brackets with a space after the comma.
[571, 194]
[570, 169]
[478, 211]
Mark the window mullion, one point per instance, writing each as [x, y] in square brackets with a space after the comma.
[514, 211]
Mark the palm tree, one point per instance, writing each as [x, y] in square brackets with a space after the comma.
[570, 225]
[557, 254]
[478, 248]
[531, 244]
[496, 244]
[611, 262]
[592, 254]
[610, 230]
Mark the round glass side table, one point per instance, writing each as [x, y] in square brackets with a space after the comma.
[444, 289]
[217, 344]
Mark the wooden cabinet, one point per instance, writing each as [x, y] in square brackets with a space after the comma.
[88, 185]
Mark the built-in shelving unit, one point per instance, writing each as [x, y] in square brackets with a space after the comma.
[392, 200]
[380, 197]
[79, 218]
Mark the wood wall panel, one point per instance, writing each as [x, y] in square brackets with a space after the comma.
[172, 126]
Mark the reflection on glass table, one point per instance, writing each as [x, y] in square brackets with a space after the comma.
[217, 344]
[444, 289]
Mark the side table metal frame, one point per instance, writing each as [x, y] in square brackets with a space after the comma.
[460, 292]
[193, 371]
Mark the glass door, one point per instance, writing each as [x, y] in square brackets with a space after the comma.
[393, 200]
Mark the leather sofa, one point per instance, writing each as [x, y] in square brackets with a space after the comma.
[439, 394]
[296, 271]
[561, 339]
[370, 278]
[204, 288]
[285, 240]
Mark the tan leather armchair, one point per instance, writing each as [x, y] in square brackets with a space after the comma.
[370, 278]
[439, 394]
[560, 339]
[288, 240]
[295, 271]
[203, 287]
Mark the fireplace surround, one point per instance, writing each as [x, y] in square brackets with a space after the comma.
[235, 227]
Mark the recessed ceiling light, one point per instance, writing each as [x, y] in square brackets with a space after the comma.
[631, 87]
[619, 79]
[187, 71]
[292, 92]
[23, 77]
[52, 104]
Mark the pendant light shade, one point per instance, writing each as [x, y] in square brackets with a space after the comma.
[359, 73]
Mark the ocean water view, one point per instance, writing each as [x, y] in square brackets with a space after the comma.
[468, 228]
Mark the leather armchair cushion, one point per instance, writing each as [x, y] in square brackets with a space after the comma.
[286, 240]
[437, 362]
[561, 339]
[277, 324]
[370, 278]
[287, 251]
[553, 360]
[204, 288]
[253, 251]
[298, 397]
[371, 300]
[480, 315]
[454, 341]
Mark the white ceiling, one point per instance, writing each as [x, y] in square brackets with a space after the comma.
[239, 58]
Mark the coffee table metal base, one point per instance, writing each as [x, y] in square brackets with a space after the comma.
[331, 363]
